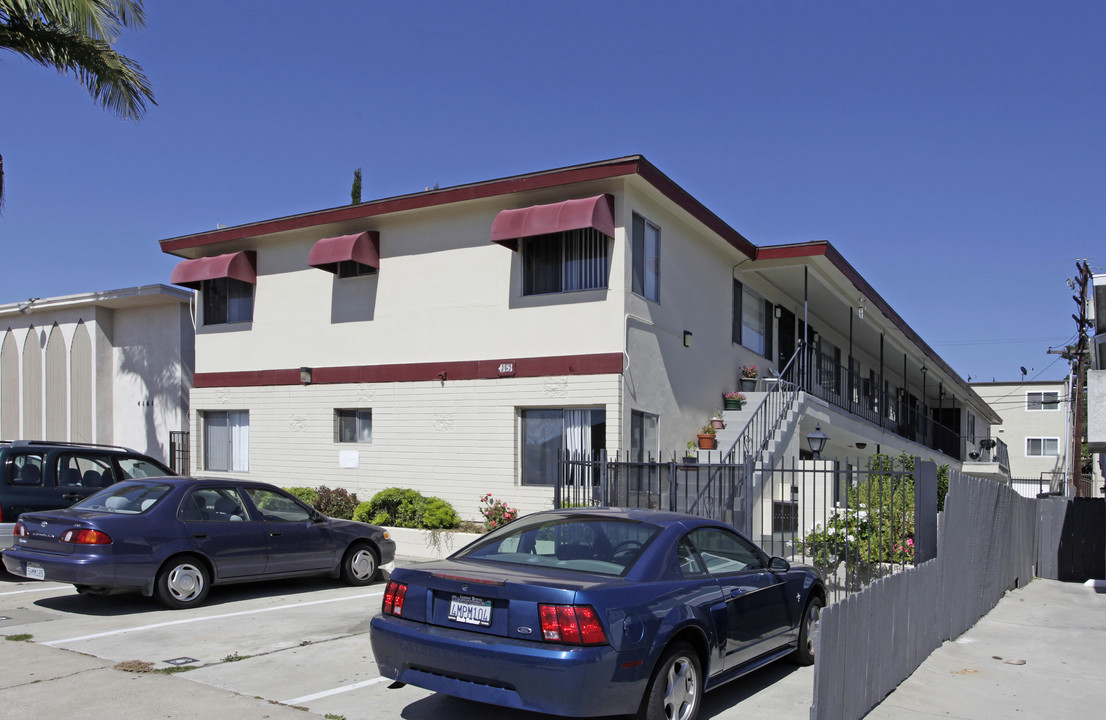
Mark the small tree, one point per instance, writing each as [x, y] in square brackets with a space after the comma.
[355, 191]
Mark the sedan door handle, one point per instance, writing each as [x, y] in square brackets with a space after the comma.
[275, 534]
[199, 536]
[71, 496]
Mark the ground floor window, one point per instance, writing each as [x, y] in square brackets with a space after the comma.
[227, 441]
[644, 448]
[548, 432]
[354, 426]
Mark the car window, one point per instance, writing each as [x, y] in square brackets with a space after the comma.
[276, 507]
[125, 498]
[133, 467]
[84, 470]
[725, 552]
[213, 505]
[691, 565]
[24, 469]
[572, 542]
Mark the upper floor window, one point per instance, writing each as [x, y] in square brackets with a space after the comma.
[751, 315]
[227, 300]
[565, 262]
[646, 259]
[1042, 447]
[352, 268]
[1042, 401]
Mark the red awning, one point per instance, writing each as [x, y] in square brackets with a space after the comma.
[362, 247]
[239, 266]
[593, 212]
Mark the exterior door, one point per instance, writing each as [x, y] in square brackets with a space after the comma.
[786, 343]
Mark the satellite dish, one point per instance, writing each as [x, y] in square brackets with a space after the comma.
[1024, 371]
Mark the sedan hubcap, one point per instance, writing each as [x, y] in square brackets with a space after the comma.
[683, 688]
[362, 564]
[185, 582]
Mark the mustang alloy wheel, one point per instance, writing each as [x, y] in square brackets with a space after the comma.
[676, 689]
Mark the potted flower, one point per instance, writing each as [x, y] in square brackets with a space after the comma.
[748, 377]
[733, 400]
[717, 422]
[692, 454]
[707, 440]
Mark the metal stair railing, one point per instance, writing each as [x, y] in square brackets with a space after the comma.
[758, 432]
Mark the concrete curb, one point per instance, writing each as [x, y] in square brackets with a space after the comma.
[416, 544]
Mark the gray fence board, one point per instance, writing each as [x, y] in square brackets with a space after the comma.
[874, 639]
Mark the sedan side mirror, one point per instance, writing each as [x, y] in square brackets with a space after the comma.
[778, 564]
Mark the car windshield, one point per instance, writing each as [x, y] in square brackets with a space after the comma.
[590, 544]
[128, 498]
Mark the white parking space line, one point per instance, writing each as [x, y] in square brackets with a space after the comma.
[208, 617]
[334, 691]
[39, 589]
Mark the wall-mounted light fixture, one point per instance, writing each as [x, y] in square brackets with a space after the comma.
[815, 337]
[861, 445]
[687, 338]
[860, 307]
[441, 376]
[817, 441]
[778, 312]
[305, 375]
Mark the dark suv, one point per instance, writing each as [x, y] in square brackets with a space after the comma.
[46, 475]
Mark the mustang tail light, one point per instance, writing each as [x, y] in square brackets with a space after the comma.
[394, 596]
[85, 536]
[571, 624]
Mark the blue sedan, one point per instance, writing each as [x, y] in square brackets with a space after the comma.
[596, 612]
[176, 537]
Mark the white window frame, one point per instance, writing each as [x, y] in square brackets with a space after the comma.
[231, 430]
[1040, 404]
[1044, 443]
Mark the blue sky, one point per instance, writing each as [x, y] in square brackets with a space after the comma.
[952, 151]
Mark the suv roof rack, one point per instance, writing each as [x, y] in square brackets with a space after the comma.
[62, 443]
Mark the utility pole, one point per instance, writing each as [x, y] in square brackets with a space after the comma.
[1079, 365]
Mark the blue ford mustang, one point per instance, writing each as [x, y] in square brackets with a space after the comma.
[176, 537]
[596, 612]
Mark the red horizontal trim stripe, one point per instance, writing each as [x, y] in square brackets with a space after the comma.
[598, 364]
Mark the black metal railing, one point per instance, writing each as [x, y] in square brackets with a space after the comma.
[179, 452]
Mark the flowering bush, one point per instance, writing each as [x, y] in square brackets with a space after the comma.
[735, 395]
[748, 371]
[496, 512]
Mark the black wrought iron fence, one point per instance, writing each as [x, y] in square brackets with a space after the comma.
[854, 523]
[179, 452]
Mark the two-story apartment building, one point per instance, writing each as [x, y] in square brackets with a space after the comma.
[456, 340]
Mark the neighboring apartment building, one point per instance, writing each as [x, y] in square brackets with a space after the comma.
[1036, 427]
[1096, 379]
[110, 367]
[456, 340]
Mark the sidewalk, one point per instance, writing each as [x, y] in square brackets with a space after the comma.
[1040, 653]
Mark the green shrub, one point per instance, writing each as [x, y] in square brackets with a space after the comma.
[363, 513]
[335, 502]
[403, 507]
[439, 515]
[308, 495]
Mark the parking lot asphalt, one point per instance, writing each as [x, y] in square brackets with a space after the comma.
[301, 648]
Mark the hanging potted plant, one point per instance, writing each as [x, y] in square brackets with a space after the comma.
[733, 400]
[707, 440]
[748, 377]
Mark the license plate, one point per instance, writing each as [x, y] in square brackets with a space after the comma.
[35, 572]
[470, 610]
